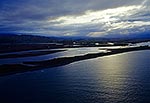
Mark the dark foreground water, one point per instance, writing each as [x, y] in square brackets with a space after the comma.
[123, 78]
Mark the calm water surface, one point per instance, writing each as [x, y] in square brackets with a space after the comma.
[122, 78]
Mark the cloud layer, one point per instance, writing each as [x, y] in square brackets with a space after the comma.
[95, 18]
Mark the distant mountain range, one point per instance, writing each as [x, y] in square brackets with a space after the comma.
[15, 38]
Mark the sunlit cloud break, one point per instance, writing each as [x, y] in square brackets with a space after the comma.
[93, 17]
[111, 20]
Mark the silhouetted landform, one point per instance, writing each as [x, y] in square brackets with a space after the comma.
[28, 54]
[15, 38]
[6, 48]
[14, 42]
[7, 69]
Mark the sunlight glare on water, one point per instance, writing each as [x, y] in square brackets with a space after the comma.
[121, 78]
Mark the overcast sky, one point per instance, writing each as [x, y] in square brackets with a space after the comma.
[94, 18]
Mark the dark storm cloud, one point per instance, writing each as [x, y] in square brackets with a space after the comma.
[33, 16]
[42, 9]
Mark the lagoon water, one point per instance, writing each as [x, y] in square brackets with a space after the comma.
[68, 53]
[121, 78]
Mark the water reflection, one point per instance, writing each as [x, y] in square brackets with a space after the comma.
[114, 76]
[68, 53]
[122, 78]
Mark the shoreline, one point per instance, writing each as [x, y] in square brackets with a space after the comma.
[7, 69]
